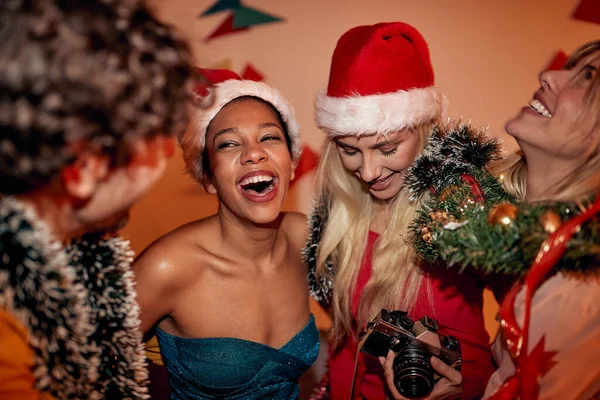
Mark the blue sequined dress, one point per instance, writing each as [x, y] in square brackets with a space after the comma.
[229, 368]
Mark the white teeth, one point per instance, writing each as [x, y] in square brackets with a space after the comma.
[256, 179]
[540, 108]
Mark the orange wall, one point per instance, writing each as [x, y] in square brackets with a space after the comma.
[486, 54]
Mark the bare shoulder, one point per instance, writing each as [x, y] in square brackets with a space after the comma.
[167, 260]
[295, 226]
[168, 268]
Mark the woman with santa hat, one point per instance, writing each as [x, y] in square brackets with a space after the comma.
[229, 292]
[378, 111]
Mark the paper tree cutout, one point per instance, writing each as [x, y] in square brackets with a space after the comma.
[225, 28]
[588, 11]
[252, 74]
[245, 17]
[222, 5]
[240, 17]
[307, 162]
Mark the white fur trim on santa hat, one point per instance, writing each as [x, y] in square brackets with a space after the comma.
[221, 94]
[380, 113]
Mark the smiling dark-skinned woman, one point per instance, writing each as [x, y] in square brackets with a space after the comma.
[229, 292]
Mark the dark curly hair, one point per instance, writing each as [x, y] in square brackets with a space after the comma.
[104, 73]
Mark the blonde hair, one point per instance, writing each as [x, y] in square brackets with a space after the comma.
[396, 274]
[585, 180]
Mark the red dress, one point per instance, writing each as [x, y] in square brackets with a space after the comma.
[457, 305]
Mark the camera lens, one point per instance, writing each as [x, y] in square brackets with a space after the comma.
[413, 374]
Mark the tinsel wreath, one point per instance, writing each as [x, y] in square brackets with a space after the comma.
[469, 221]
[321, 287]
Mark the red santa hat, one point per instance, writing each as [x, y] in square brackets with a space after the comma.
[381, 81]
[223, 87]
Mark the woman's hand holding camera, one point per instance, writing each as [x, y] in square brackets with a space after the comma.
[449, 387]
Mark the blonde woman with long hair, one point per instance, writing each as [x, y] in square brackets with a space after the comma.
[378, 112]
[559, 160]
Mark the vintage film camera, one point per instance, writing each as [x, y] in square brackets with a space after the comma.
[414, 342]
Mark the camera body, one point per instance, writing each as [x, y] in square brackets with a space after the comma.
[414, 342]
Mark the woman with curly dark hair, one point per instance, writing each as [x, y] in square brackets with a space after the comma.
[90, 93]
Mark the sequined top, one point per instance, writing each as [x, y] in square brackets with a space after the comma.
[217, 368]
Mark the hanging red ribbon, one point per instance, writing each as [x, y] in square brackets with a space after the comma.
[524, 384]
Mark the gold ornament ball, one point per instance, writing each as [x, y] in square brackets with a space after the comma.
[502, 214]
[442, 217]
[426, 235]
[551, 221]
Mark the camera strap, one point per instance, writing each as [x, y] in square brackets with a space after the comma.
[357, 361]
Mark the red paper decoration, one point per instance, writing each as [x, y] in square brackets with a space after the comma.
[559, 60]
[308, 161]
[252, 74]
[225, 28]
[588, 11]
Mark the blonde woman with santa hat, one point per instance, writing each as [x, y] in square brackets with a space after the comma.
[229, 292]
[378, 112]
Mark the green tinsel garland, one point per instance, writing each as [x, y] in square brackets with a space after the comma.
[494, 235]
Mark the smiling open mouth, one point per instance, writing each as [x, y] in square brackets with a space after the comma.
[258, 185]
[381, 184]
[538, 107]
